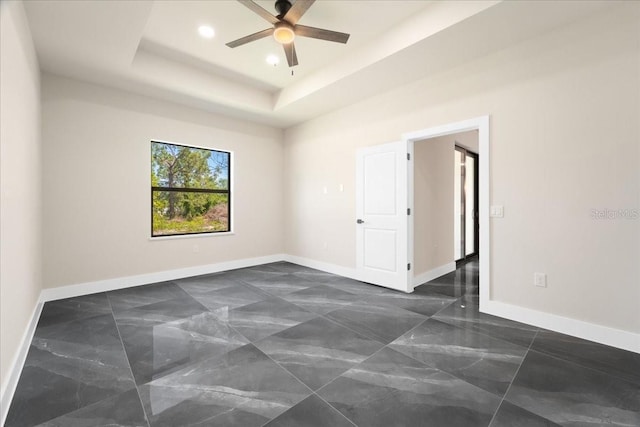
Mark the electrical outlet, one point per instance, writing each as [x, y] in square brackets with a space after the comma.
[540, 279]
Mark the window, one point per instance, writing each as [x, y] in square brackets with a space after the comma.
[190, 190]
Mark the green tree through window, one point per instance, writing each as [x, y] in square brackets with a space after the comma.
[189, 190]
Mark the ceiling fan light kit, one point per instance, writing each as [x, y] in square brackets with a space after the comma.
[283, 33]
[285, 28]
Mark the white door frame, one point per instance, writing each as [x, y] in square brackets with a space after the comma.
[481, 124]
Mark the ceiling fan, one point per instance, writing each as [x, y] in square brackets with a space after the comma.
[286, 28]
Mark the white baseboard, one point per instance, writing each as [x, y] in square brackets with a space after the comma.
[434, 273]
[323, 266]
[15, 369]
[70, 291]
[589, 331]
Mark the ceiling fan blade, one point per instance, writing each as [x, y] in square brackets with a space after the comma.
[319, 33]
[260, 11]
[252, 37]
[290, 53]
[297, 10]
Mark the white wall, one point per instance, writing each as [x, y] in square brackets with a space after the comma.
[433, 203]
[565, 139]
[20, 183]
[97, 184]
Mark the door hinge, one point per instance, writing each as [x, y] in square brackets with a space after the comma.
[409, 266]
[408, 156]
[408, 211]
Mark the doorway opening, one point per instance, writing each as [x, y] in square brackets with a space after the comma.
[465, 201]
[474, 228]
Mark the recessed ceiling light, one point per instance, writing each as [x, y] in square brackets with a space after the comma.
[273, 60]
[206, 31]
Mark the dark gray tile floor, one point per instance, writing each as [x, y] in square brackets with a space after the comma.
[284, 345]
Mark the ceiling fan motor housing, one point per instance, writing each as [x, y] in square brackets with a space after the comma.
[282, 6]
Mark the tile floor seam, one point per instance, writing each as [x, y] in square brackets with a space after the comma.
[369, 357]
[342, 326]
[262, 338]
[440, 294]
[448, 372]
[512, 380]
[602, 371]
[319, 397]
[374, 338]
[205, 359]
[428, 365]
[234, 329]
[347, 327]
[253, 343]
[336, 409]
[292, 375]
[607, 374]
[83, 318]
[391, 348]
[340, 376]
[283, 368]
[170, 372]
[488, 336]
[479, 332]
[445, 307]
[222, 355]
[257, 288]
[126, 356]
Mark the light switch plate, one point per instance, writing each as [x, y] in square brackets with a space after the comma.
[497, 211]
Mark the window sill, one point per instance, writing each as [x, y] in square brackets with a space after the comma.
[192, 236]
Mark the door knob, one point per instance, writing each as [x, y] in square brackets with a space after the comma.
[359, 221]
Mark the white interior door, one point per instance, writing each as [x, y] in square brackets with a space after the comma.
[381, 197]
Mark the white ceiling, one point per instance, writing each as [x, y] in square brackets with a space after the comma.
[153, 48]
[232, 20]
